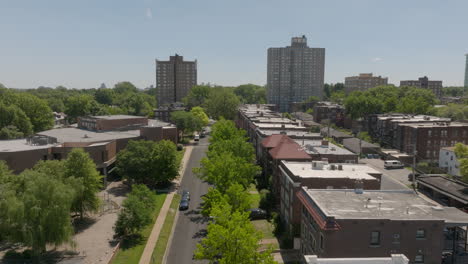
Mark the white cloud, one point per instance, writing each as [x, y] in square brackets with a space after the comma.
[149, 13]
[376, 59]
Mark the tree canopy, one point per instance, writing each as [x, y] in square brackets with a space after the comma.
[461, 151]
[148, 162]
[222, 102]
[384, 99]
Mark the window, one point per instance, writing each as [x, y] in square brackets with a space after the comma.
[396, 238]
[429, 133]
[420, 233]
[375, 238]
[322, 246]
[419, 258]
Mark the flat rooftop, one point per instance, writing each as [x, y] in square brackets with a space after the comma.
[72, 134]
[20, 145]
[436, 124]
[117, 117]
[349, 171]
[290, 133]
[456, 189]
[278, 126]
[382, 204]
[316, 147]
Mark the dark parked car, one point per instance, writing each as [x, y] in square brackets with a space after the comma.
[257, 213]
[185, 195]
[184, 204]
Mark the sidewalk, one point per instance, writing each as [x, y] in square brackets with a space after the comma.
[153, 238]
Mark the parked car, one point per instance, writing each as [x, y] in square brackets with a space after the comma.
[393, 164]
[257, 213]
[184, 204]
[202, 134]
[185, 195]
[196, 137]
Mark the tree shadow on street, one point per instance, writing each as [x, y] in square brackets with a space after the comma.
[81, 225]
[200, 234]
[119, 191]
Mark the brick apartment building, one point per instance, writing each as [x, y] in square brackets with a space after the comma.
[319, 175]
[373, 223]
[423, 82]
[363, 82]
[329, 112]
[105, 137]
[325, 150]
[174, 79]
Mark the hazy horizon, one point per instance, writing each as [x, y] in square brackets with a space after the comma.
[82, 44]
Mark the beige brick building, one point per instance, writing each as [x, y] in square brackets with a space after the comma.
[363, 82]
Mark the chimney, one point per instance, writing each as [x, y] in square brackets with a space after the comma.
[340, 167]
[359, 186]
[324, 143]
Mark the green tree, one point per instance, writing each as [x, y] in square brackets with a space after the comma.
[453, 111]
[125, 87]
[236, 197]
[136, 211]
[36, 109]
[224, 130]
[199, 113]
[232, 239]
[461, 151]
[36, 212]
[237, 146]
[80, 166]
[197, 95]
[56, 104]
[104, 96]
[225, 169]
[222, 102]
[13, 122]
[186, 122]
[148, 162]
[251, 93]
[79, 105]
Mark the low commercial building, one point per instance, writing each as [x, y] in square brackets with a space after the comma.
[363, 82]
[319, 175]
[375, 223]
[393, 259]
[448, 161]
[99, 141]
[423, 82]
[336, 135]
[359, 146]
[111, 122]
[446, 191]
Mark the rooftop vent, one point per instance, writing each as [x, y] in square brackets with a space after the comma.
[340, 167]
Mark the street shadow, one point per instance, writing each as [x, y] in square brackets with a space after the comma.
[199, 219]
[120, 190]
[192, 212]
[81, 225]
[200, 234]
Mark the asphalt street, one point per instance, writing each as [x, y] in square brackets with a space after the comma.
[191, 225]
[392, 179]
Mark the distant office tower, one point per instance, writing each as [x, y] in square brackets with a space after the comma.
[363, 82]
[466, 71]
[295, 73]
[174, 79]
[423, 82]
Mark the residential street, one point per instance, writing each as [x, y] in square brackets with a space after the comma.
[190, 224]
[392, 179]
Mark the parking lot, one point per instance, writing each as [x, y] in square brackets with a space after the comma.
[392, 179]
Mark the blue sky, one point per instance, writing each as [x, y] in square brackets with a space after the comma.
[83, 43]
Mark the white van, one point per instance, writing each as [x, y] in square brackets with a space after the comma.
[393, 164]
[196, 137]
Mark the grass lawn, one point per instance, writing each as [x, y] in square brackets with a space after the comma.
[255, 196]
[130, 251]
[161, 244]
[265, 227]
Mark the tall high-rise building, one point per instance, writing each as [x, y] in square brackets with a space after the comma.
[294, 73]
[174, 79]
[466, 71]
[423, 82]
[363, 82]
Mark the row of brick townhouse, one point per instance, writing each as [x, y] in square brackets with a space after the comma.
[335, 209]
